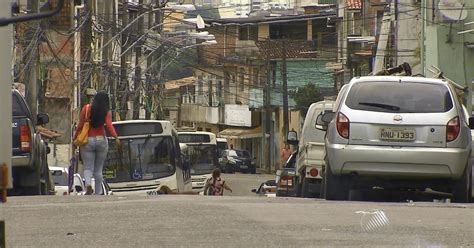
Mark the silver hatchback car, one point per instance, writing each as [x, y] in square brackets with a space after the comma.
[397, 132]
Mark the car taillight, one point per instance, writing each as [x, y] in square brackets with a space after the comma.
[286, 181]
[25, 138]
[313, 172]
[452, 129]
[342, 125]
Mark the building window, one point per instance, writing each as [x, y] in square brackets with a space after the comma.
[208, 130]
[248, 33]
[290, 30]
[219, 90]
[256, 77]
[200, 88]
[242, 79]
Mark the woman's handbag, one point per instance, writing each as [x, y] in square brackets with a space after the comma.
[83, 136]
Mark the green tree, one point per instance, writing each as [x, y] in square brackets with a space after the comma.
[305, 96]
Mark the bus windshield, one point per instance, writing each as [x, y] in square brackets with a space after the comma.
[203, 158]
[144, 158]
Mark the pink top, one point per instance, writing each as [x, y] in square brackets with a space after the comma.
[98, 131]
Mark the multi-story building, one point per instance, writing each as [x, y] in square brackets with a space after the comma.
[233, 75]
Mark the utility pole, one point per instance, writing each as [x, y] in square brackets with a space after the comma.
[123, 88]
[285, 89]
[149, 75]
[138, 69]
[86, 47]
[159, 64]
[6, 41]
[268, 116]
[113, 86]
[106, 37]
[31, 62]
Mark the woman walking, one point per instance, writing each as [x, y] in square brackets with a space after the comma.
[216, 185]
[95, 151]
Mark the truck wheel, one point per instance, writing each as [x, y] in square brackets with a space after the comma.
[462, 188]
[322, 193]
[306, 188]
[335, 188]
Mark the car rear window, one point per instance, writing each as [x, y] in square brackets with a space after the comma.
[17, 109]
[395, 97]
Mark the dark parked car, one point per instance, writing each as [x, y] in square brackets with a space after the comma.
[286, 178]
[29, 151]
[237, 161]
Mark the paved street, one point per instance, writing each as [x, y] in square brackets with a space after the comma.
[198, 221]
[242, 184]
[241, 219]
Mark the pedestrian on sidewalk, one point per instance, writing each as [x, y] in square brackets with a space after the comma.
[216, 185]
[94, 152]
[284, 155]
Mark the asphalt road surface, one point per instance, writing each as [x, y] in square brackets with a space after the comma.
[239, 219]
[242, 184]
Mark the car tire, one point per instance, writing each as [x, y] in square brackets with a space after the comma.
[305, 188]
[299, 187]
[335, 187]
[462, 188]
[34, 175]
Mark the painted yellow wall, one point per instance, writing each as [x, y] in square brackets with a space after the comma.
[263, 31]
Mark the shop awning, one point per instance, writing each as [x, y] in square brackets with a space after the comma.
[241, 133]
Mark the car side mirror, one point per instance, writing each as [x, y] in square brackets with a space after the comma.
[323, 120]
[471, 122]
[292, 138]
[42, 119]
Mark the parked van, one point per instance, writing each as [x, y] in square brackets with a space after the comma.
[311, 151]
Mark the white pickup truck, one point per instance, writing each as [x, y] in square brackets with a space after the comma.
[311, 151]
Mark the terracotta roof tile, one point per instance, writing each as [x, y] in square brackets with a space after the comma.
[294, 49]
[353, 4]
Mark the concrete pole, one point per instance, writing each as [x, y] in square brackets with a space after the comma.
[284, 79]
[6, 44]
[138, 68]
[106, 53]
[123, 86]
[31, 63]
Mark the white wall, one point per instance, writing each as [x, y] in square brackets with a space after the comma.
[408, 34]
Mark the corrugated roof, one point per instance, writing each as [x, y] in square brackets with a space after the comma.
[353, 4]
[175, 84]
[241, 133]
[267, 19]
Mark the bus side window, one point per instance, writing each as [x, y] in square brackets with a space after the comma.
[177, 158]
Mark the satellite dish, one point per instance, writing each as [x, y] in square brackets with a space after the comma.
[200, 22]
[452, 10]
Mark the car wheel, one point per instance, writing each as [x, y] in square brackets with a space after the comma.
[462, 187]
[306, 188]
[335, 188]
